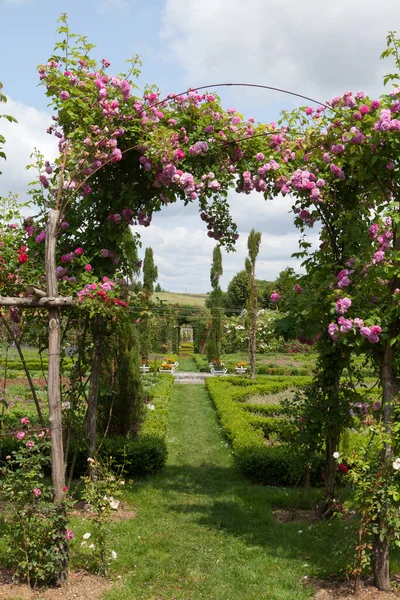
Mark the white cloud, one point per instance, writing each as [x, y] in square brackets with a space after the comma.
[21, 140]
[183, 251]
[312, 47]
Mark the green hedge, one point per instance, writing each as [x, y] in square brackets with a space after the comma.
[266, 410]
[282, 428]
[33, 364]
[269, 385]
[269, 464]
[143, 455]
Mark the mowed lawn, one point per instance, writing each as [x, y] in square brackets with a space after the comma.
[203, 532]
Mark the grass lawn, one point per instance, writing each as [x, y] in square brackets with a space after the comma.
[202, 531]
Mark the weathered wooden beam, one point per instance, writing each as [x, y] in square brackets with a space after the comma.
[37, 292]
[49, 301]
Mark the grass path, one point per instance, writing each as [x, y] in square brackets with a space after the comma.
[186, 364]
[203, 532]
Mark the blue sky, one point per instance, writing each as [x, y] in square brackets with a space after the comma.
[312, 47]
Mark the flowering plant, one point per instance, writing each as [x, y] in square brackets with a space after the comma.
[376, 490]
[102, 493]
[166, 366]
[241, 365]
[170, 361]
[145, 362]
[36, 531]
[217, 364]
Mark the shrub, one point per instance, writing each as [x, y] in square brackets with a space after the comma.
[267, 410]
[268, 464]
[36, 527]
[282, 428]
[146, 452]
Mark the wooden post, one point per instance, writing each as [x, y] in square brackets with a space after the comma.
[91, 416]
[54, 395]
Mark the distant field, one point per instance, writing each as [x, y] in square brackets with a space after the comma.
[175, 298]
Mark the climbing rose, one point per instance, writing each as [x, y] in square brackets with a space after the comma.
[343, 305]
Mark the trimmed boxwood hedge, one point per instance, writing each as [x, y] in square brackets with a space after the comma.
[266, 410]
[274, 465]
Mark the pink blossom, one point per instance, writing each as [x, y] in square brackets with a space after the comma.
[275, 297]
[30, 444]
[373, 338]
[379, 256]
[345, 324]
[64, 95]
[337, 172]
[375, 329]
[333, 329]
[88, 267]
[343, 305]
[365, 332]
[358, 322]
[373, 230]
[20, 435]
[40, 237]
[24, 421]
[37, 492]
[69, 534]
[79, 251]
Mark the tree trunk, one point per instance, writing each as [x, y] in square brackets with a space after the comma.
[91, 416]
[332, 445]
[380, 563]
[390, 390]
[54, 394]
[332, 367]
[253, 327]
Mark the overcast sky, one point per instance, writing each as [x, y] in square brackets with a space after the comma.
[315, 48]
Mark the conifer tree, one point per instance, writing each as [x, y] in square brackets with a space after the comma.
[253, 246]
[214, 338]
[150, 271]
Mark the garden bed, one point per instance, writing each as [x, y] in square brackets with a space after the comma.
[343, 590]
[81, 586]
[262, 461]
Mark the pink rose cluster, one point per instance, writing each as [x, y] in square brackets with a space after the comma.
[342, 278]
[344, 325]
[275, 297]
[100, 291]
[342, 305]
[382, 234]
[141, 218]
